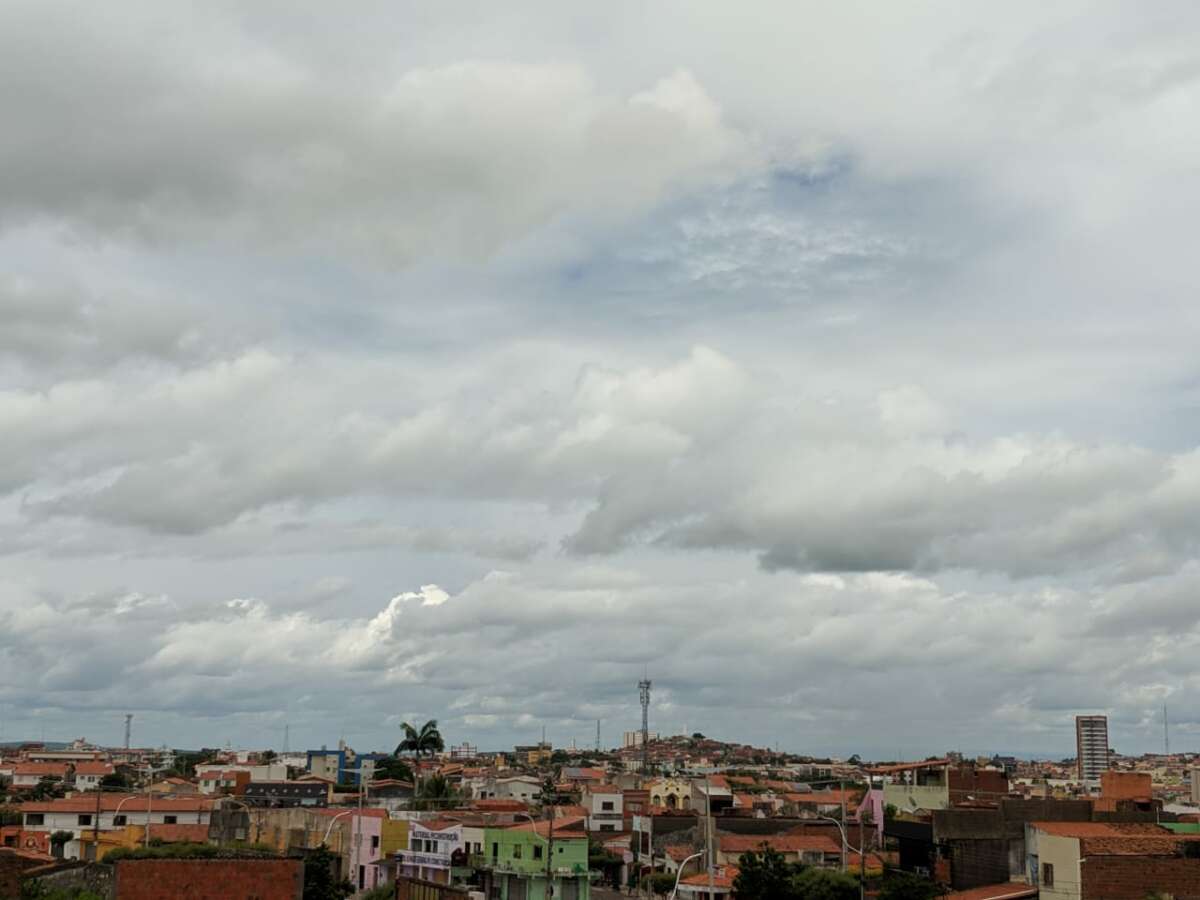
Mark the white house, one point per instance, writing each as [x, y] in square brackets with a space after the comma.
[605, 807]
[78, 814]
[88, 774]
[431, 849]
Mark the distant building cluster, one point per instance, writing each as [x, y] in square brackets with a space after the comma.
[537, 821]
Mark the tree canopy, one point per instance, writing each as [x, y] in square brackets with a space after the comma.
[768, 876]
[419, 742]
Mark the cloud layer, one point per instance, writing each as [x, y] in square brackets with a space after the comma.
[835, 367]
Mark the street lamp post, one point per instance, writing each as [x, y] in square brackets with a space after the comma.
[679, 872]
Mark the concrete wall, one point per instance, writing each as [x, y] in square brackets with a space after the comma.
[210, 879]
[916, 796]
[1063, 854]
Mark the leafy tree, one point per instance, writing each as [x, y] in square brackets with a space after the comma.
[428, 740]
[393, 767]
[267, 757]
[319, 883]
[118, 780]
[890, 812]
[49, 787]
[661, 883]
[763, 876]
[435, 793]
[906, 886]
[823, 884]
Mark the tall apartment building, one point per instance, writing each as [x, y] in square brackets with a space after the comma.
[1091, 746]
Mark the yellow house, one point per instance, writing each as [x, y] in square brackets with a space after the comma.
[393, 837]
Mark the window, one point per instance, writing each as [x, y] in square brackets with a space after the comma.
[1047, 875]
[374, 842]
[495, 850]
[85, 819]
[608, 827]
[120, 820]
[516, 851]
[606, 806]
[170, 820]
[537, 851]
[35, 819]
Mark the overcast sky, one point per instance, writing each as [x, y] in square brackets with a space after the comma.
[833, 365]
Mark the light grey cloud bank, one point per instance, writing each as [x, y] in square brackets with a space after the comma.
[836, 366]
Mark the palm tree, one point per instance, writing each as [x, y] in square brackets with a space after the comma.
[427, 740]
[436, 793]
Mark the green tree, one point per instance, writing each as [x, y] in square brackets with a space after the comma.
[823, 884]
[49, 787]
[435, 793]
[319, 882]
[660, 883]
[764, 876]
[267, 757]
[906, 886]
[427, 740]
[393, 767]
[118, 780]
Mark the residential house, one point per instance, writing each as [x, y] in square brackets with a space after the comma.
[605, 807]
[435, 847]
[286, 793]
[520, 861]
[78, 814]
[89, 774]
[221, 781]
[808, 849]
[717, 885]
[28, 774]
[1111, 861]
[916, 786]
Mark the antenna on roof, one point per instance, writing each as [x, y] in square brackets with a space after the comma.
[597, 735]
[644, 695]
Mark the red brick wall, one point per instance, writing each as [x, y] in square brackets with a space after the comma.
[12, 864]
[1125, 785]
[210, 879]
[1133, 877]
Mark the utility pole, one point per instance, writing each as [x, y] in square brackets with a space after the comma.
[862, 848]
[708, 831]
[842, 791]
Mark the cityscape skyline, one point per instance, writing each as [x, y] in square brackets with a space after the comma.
[837, 368]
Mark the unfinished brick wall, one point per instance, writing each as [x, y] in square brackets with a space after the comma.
[13, 866]
[210, 879]
[1133, 877]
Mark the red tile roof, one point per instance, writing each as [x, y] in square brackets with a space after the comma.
[908, 767]
[86, 803]
[94, 768]
[1100, 829]
[41, 768]
[1135, 845]
[784, 843]
[722, 878]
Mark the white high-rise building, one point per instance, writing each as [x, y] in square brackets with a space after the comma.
[1091, 746]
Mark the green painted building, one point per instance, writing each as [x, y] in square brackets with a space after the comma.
[515, 862]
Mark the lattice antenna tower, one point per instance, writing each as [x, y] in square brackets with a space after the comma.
[644, 694]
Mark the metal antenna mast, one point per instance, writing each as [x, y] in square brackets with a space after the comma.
[1166, 733]
[128, 728]
[644, 693]
[597, 735]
